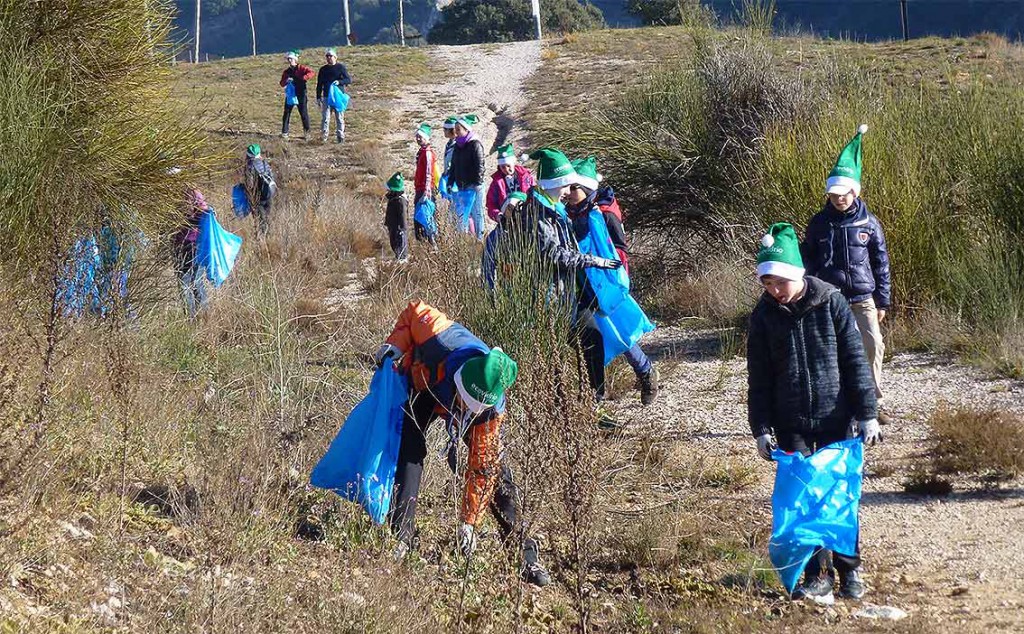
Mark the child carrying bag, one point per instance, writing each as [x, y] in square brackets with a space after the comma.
[290, 98]
[216, 249]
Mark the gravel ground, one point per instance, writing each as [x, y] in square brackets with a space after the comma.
[956, 560]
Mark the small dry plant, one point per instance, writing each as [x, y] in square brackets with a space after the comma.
[978, 440]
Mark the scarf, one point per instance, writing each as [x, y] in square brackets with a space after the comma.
[463, 140]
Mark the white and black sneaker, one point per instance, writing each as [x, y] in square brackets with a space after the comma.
[818, 590]
[851, 586]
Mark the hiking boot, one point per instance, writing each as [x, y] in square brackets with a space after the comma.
[649, 386]
[852, 586]
[818, 590]
[533, 571]
[883, 418]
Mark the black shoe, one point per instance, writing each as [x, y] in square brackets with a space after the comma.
[818, 590]
[649, 386]
[851, 586]
[533, 571]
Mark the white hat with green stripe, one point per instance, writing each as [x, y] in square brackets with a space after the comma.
[586, 173]
[554, 170]
[483, 380]
[506, 155]
[779, 254]
[845, 176]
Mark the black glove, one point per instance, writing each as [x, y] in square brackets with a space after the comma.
[605, 263]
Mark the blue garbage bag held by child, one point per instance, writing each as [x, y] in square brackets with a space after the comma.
[425, 216]
[462, 205]
[240, 201]
[360, 463]
[337, 98]
[216, 248]
[620, 319]
[814, 505]
[290, 98]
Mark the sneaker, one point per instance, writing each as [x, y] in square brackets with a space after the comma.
[649, 386]
[341, 139]
[323, 138]
[883, 418]
[305, 136]
[606, 421]
[401, 550]
[533, 571]
[852, 586]
[284, 135]
[818, 590]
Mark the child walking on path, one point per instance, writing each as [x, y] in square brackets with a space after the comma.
[808, 381]
[395, 216]
[297, 75]
[845, 246]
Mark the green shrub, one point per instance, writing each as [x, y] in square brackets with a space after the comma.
[479, 21]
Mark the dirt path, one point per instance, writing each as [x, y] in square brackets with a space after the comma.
[955, 561]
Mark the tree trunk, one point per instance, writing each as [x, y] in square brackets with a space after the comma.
[348, 24]
[401, 24]
[252, 27]
[199, 7]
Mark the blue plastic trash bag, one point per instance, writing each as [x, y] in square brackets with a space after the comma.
[360, 463]
[239, 201]
[462, 205]
[290, 98]
[337, 98]
[814, 505]
[620, 319]
[216, 249]
[424, 215]
[442, 187]
[77, 289]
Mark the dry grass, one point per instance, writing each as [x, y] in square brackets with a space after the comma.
[980, 441]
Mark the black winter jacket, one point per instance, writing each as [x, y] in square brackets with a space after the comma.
[807, 371]
[396, 211]
[328, 74]
[848, 250]
[468, 169]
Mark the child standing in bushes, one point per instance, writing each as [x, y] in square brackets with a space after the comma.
[423, 180]
[808, 381]
[394, 217]
[845, 246]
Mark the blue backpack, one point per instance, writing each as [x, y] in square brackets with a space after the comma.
[815, 504]
[361, 461]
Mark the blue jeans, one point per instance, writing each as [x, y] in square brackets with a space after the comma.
[636, 358]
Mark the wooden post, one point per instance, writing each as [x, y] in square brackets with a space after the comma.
[198, 10]
[903, 20]
[252, 27]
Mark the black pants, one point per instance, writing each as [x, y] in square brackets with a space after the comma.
[261, 215]
[822, 560]
[592, 346]
[419, 413]
[303, 112]
[399, 241]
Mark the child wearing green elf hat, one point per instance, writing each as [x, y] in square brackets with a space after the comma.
[395, 217]
[260, 187]
[508, 178]
[845, 246]
[808, 380]
[468, 169]
[454, 376]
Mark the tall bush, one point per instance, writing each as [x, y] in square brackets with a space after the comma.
[479, 21]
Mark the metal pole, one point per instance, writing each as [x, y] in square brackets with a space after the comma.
[252, 28]
[198, 11]
[536, 15]
[903, 20]
[348, 26]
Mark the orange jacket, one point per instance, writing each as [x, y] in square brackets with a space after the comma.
[433, 348]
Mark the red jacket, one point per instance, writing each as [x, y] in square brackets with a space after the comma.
[609, 206]
[499, 191]
[300, 75]
[424, 179]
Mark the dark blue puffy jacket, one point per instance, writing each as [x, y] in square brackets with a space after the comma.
[848, 251]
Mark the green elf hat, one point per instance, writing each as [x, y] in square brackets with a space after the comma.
[254, 150]
[586, 173]
[467, 120]
[845, 176]
[290, 55]
[482, 381]
[780, 253]
[331, 52]
[449, 123]
[554, 170]
[396, 183]
[506, 155]
[424, 130]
